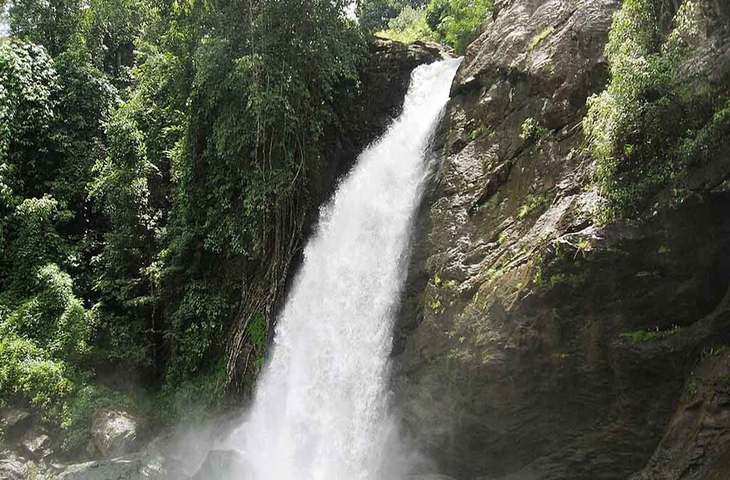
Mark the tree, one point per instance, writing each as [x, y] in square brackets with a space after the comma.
[458, 22]
[51, 23]
[373, 15]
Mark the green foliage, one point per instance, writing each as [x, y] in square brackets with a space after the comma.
[375, 15]
[453, 22]
[197, 327]
[258, 334]
[54, 113]
[110, 29]
[531, 131]
[644, 336]
[28, 97]
[27, 373]
[51, 23]
[154, 158]
[196, 397]
[652, 122]
[458, 22]
[533, 204]
[408, 27]
[54, 318]
[479, 132]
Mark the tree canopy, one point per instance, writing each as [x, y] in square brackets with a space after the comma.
[151, 154]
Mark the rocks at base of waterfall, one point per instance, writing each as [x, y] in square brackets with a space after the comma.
[155, 462]
[222, 465]
[12, 467]
[114, 432]
[36, 443]
[130, 467]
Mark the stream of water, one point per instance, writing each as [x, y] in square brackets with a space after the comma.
[321, 409]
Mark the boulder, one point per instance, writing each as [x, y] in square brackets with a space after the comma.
[11, 418]
[114, 432]
[121, 468]
[158, 460]
[36, 443]
[12, 467]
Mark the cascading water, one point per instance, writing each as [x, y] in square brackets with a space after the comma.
[320, 410]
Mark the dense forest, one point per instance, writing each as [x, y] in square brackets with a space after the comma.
[152, 154]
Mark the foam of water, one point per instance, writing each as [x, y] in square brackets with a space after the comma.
[321, 406]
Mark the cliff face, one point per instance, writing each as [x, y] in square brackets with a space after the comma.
[534, 342]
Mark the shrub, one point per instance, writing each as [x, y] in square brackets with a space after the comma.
[374, 15]
[531, 131]
[53, 318]
[409, 26]
[458, 22]
[195, 397]
[29, 375]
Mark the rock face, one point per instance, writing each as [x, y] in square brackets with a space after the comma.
[534, 343]
[114, 432]
[164, 458]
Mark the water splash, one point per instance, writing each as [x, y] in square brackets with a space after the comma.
[321, 406]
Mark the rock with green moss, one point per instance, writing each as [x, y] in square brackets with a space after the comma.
[568, 341]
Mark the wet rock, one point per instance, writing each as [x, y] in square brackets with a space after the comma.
[696, 443]
[114, 432]
[121, 468]
[155, 462]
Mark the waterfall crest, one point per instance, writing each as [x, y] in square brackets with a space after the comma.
[321, 407]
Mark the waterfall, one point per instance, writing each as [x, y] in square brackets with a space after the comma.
[321, 406]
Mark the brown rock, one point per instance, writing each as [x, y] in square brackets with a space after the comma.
[535, 343]
[36, 443]
[114, 432]
[12, 467]
[13, 417]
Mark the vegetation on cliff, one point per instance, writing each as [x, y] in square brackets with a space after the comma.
[453, 22]
[660, 116]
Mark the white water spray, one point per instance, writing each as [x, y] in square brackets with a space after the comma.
[321, 406]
